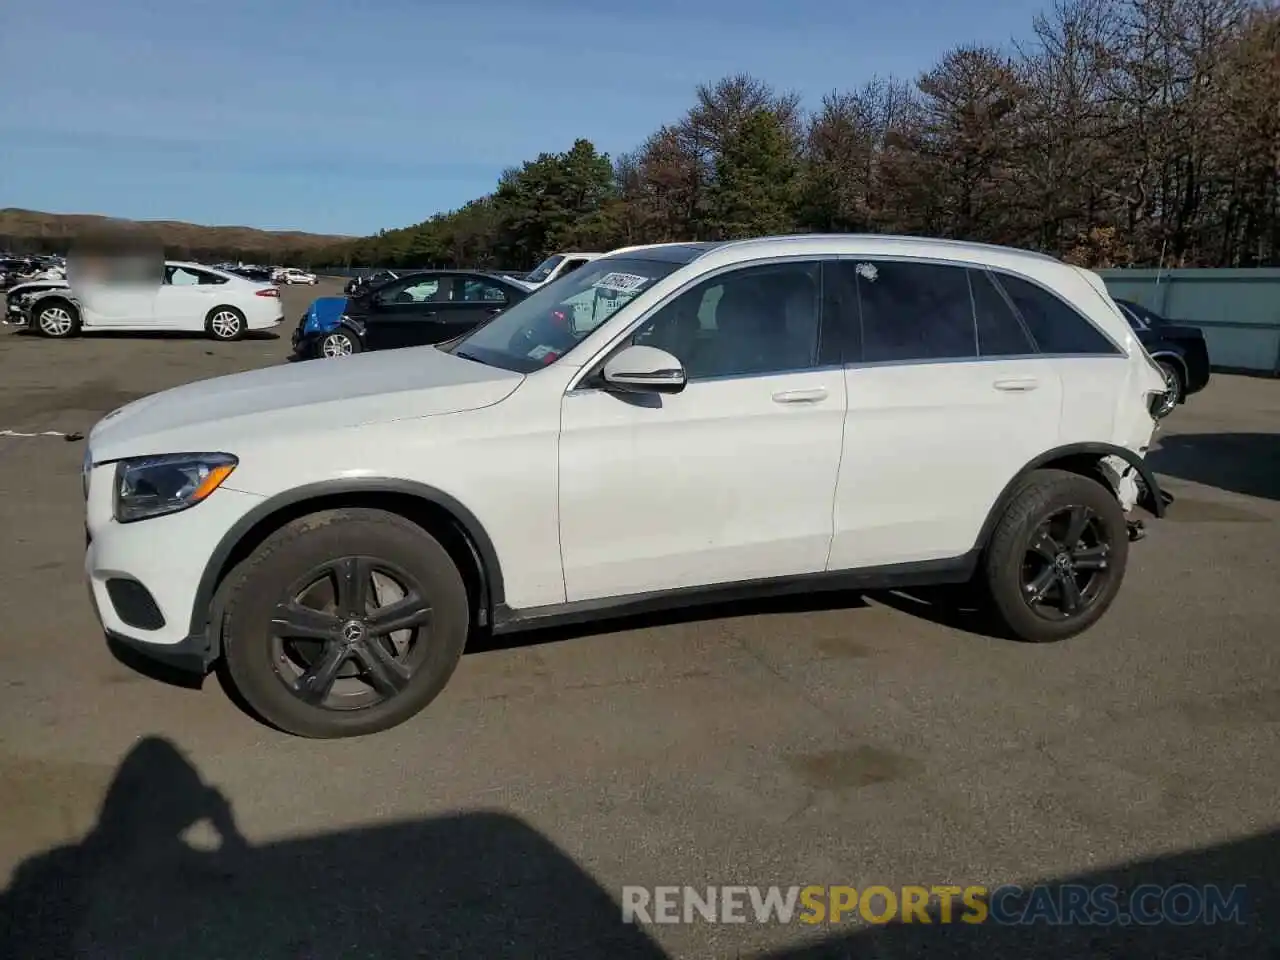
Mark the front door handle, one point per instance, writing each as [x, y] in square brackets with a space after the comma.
[1017, 384]
[801, 396]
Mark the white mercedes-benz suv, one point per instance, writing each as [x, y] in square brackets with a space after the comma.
[666, 425]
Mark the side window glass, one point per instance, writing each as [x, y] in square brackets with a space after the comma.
[915, 311]
[1000, 332]
[478, 291]
[755, 321]
[209, 279]
[184, 278]
[419, 292]
[1056, 327]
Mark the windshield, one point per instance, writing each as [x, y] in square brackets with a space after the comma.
[544, 269]
[550, 322]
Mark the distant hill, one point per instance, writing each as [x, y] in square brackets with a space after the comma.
[33, 231]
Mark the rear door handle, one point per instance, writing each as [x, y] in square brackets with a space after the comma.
[1017, 384]
[801, 396]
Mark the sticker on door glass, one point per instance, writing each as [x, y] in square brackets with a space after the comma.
[868, 271]
[625, 282]
[537, 353]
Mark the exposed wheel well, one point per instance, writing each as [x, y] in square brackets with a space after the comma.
[431, 517]
[1084, 464]
[59, 301]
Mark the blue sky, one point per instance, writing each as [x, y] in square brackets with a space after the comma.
[346, 117]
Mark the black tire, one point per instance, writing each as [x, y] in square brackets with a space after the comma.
[219, 325]
[262, 666]
[1177, 388]
[43, 319]
[1016, 562]
[327, 344]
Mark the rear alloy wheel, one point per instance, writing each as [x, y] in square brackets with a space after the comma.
[340, 343]
[225, 323]
[1057, 557]
[1173, 390]
[344, 623]
[58, 320]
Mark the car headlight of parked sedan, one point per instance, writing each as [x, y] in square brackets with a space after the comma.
[155, 486]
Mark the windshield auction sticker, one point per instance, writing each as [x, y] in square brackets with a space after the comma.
[625, 282]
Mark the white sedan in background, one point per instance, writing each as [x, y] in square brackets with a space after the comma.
[294, 275]
[191, 298]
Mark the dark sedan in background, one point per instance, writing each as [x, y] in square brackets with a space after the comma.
[1179, 348]
[424, 307]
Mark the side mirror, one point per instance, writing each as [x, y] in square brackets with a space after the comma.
[639, 369]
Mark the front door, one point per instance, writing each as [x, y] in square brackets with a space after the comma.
[407, 313]
[948, 400]
[730, 480]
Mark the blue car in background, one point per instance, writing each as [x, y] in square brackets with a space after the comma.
[413, 309]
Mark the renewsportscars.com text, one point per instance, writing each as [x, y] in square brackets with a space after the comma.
[1065, 905]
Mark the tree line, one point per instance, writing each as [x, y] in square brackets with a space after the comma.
[1125, 133]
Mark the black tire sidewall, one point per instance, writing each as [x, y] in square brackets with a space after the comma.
[208, 323]
[262, 581]
[1045, 492]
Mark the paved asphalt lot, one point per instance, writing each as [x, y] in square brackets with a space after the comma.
[848, 741]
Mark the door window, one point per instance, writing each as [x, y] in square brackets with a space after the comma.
[482, 291]
[189, 277]
[913, 311]
[896, 311]
[760, 320]
[415, 290]
[1056, 327]
[1000, 331]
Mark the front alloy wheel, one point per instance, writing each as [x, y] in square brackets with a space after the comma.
[338, 344]
[56, 321]
[343, 623]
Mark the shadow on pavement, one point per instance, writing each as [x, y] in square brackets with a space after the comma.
[1247, 463]
[473, 885]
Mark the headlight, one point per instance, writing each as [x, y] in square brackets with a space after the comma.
[153, 486]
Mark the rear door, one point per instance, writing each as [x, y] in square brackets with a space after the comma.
[475, 300]
[185, 298]
[948, 399]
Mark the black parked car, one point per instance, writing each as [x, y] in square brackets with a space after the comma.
[428, 306]
[1180, 350]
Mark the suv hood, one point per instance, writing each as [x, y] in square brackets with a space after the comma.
[223, 412]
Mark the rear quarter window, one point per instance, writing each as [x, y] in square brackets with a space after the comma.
[1056, 326]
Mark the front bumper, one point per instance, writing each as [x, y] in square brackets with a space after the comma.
[305, 345]
[15, 315]
[144, 578]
